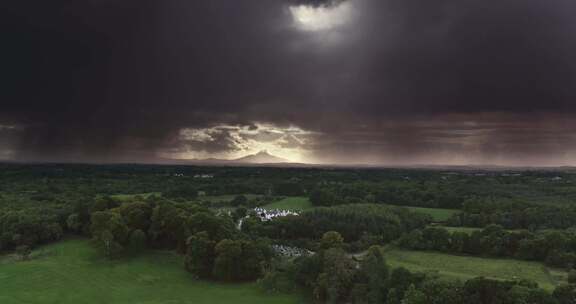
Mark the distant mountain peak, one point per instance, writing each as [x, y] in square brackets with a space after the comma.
[262, 157]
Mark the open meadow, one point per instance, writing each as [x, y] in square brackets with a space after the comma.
[290, 203]
[128, 197]
[437, 214]
[226, 198]
[468, 267]
[468, 230]
[71, 272]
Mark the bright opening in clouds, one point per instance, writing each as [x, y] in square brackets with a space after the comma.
[8, 127]
[234, 141]
[311, 18]
[8, 137]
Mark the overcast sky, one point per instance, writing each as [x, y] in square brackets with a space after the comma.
[391, 82]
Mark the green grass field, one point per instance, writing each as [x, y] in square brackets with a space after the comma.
[438, 215]
[219, 199]
[468, 230]
[466, 267]
[72, 272]
[226, 198]
[128, 197]
[291, 203]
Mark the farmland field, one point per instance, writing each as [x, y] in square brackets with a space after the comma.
[226, 198]
[291, 203]
[467, 267]
[127, 197]
[73, 272]
[438, 215]
[468, 230]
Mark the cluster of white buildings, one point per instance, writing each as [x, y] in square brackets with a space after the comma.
[263, 214]
[267, 215]
[290, 252]
[203, 176]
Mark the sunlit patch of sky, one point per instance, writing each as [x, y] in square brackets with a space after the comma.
[8, 127]
[8, 136]
[234, 141]
[321, 18]
[6, 154]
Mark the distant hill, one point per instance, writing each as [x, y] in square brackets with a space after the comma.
[262, 157]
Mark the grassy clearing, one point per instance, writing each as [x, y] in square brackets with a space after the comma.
[72, 272]
[468, 230]
[466, 267]
[128, 197]
[439, 215]
[291, 203]
[226, 198]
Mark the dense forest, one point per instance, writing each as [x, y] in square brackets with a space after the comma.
[334, 251]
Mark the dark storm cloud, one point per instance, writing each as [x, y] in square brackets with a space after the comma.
[472, 56]
[105, 80]
[503, 139]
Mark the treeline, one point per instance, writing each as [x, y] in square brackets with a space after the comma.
[213, 248]
[58, 181]
[369, 223]
[555, 248]
[227, 260]
[332, 276]
[402, 193]
[30, 227]
[513, 214]
[27, 222]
